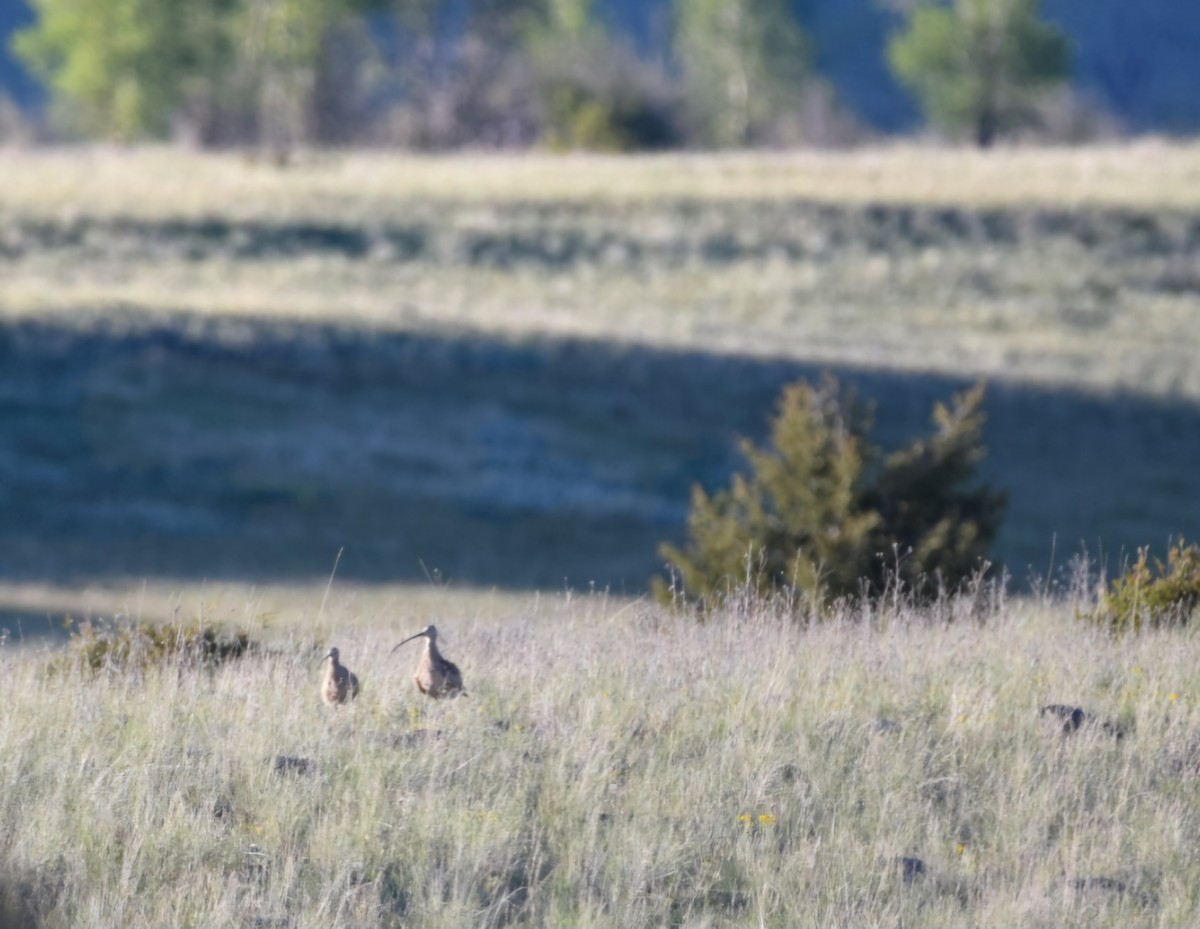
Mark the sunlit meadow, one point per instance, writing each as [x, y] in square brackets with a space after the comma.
[501, 375]
[618, 764]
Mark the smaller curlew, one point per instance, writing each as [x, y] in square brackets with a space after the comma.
[436, 677]
[339, 684]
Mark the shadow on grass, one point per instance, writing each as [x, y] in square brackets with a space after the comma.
[29, 626]
[198, 449]
[24, 898]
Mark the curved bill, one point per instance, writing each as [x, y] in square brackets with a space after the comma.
[406, 641]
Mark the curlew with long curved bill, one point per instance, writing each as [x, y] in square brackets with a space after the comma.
[436, 676]
[340, 683]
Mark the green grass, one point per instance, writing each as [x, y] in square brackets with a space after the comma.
[618, 765]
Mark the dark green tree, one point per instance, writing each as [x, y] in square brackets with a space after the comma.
[126, 69]
[978, 66]
[121, 69]
[824, 512]
[935, 520]
[743, 63]
[797, 520]
[281, 47]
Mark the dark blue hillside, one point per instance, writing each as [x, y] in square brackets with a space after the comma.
[169, 451]
[15, 81]
[1140, 60]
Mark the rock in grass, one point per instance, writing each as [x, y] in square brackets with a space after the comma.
[1102, 889]
[1072, 716]
[907, 867]
[1098, 885]
[417, 738]
[285, 765]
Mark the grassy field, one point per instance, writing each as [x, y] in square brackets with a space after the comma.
[492, 382]
[503, 371]
[616, 765]
[169, 184]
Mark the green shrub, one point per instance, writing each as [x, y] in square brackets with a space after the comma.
[595, 92]
[607, 105]
[582, 118]
[103, 646]
[824, 513]
[1162, 595]
[933, 515]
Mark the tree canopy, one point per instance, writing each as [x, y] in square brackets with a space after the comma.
[742, 61]
[977, 66]
[122, 68]
[721, 74]
[126, 69]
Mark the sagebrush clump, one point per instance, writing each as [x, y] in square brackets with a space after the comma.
[824, 513]
[1162, 595]
[97, 646]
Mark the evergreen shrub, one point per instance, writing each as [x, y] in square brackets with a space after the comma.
[1162, 595]
[825, 514]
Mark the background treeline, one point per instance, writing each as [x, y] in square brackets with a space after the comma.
[436, 74]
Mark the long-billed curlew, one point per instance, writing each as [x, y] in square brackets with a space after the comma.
[339, 683]
[436, 676]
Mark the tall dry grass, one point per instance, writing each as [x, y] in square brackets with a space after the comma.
[617, 764]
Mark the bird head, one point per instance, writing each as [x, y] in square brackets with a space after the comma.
[429, 632]
[333, 653]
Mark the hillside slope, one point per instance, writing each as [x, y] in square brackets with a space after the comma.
[424, 362]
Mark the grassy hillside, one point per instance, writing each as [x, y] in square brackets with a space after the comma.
[509, 371]
[616, 765]
[479, 372]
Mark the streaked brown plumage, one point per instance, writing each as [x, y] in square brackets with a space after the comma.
[339, 683]
[436, 677]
